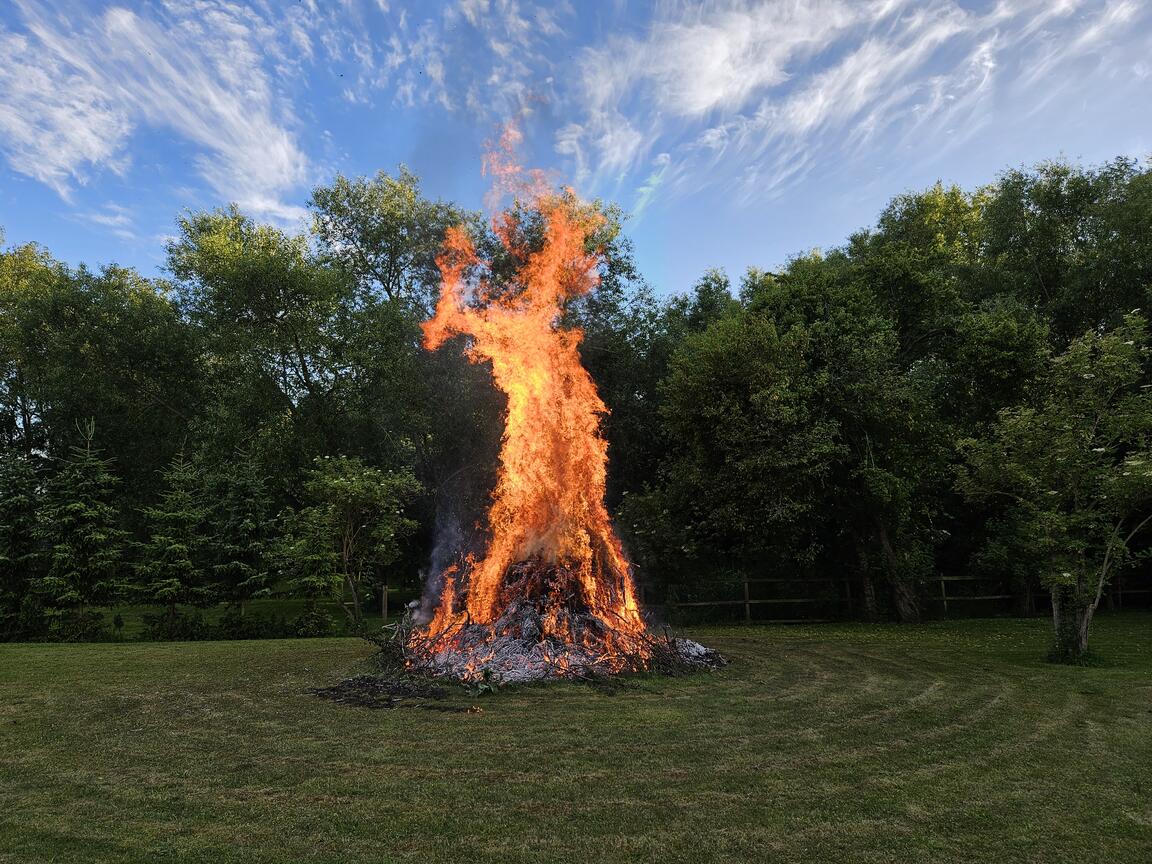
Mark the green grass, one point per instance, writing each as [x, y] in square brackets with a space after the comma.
[948, 742]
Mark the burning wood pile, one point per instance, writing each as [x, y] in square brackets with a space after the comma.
[547, 629]
[552, 595]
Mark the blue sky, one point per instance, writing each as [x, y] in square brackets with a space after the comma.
[735, 133]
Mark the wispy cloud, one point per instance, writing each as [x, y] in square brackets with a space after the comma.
[747, 96]
[759, 95]
[55, 124]
[74, 88]
[114, 218]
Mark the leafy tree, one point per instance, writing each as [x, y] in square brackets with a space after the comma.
[748, 451]
[1073, 467]
[19, 553]
[171, 567]
[922, 263]
[305, 556]
[301, 364]
[350, 528]
[79, 527]
[1072, 242]
[28, 275]
[107, 346]
[384, 233]
[880, 494]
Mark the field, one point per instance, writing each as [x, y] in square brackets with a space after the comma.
[946, 742]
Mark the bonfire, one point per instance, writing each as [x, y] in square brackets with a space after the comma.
[552, 595]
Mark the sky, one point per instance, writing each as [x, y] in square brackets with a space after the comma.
[733, 134]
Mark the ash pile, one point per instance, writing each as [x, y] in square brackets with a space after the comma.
[548, 629]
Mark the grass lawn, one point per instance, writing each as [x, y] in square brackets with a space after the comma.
[945, 742]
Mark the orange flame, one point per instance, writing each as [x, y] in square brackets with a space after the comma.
[548, 503]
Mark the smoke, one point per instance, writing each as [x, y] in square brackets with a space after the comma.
[467, 414]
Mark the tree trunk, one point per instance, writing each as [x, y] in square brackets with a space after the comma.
[1071, 619]
[903, 592]
[869, 609]
[25, 415]
[355, 614]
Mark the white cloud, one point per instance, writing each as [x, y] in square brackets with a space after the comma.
[745, 95]
[56, 125]
[71, 96]
[114, 218]
[758, 95]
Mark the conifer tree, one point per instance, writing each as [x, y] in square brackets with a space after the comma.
[171, 569]
[80, 528]
[239, 531]
[19, 561]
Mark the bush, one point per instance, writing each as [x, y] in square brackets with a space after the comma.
[76, 626]
[32, 620]
[234, 625]
[313, 624]
[170, 626]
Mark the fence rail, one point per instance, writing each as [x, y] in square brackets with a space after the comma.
[847, 595]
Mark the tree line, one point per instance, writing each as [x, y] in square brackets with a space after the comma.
[962, 387]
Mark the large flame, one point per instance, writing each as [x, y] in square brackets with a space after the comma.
[548, 504]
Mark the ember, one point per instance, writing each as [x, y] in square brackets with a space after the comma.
[553, 594]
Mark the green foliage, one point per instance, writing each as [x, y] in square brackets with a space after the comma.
[19, 553]
[171, 569]
[79, 527]
[1073, 467]
[351, 527]
[107, 346]
[1072, 242]
[238, 532]
[738, 484]
[810, 425]
[173, 625]
[312, 624]
[384, 233]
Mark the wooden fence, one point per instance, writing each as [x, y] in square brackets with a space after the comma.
[813, 600]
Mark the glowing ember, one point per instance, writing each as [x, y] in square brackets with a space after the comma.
[553, 594]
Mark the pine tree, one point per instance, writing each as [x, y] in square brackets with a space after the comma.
[239, 532]
[171, 567]
[19, 561]
[79, 526]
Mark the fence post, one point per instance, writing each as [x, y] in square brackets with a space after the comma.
[384, 600]
[747, 602]
[944, 594]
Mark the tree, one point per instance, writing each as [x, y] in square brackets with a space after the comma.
[171, 566]
[1073, 468]
[879, 497]
[239, 530]
[1072, 242]
[748, 451]
[351, 528]
[27, 276]
[19, 552]
[80, 529]
[384, 233]
[107, 346]
[301, 364]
